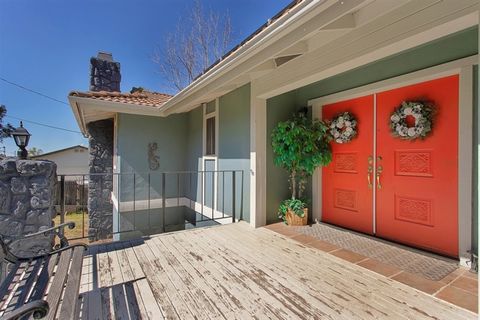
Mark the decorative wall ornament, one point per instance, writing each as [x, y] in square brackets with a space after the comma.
[421, 116]
[153, 159]
[343, 127]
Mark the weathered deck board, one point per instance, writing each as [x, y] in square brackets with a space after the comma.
[104, 269]
[351, 280]
[241, 288]
[274, 299]
[236, 272]
[328, 287]
[149, 308]
[163, 290]
[212, 286]
[188, 284]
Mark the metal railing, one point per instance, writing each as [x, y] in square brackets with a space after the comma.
[148, 203]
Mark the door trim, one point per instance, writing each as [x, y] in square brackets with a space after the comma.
[462, 67]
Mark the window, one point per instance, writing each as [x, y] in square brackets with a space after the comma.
[210, 137]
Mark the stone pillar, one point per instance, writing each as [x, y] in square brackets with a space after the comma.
[27, 203]
[100, 187]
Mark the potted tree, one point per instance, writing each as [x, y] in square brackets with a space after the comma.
[300, 145]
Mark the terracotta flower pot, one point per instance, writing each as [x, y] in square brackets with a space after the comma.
[294, 220]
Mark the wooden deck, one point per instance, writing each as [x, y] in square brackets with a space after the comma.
[236, 272]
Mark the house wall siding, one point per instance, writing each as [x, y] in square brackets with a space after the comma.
[234, 149]
[134, 133]
[453, 47]
[71, 161]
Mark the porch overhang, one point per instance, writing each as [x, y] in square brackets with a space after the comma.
[87, 110]
[319, 39]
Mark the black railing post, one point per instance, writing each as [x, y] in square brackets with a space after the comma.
[223, 194]
[148, 201]
[119, 202]
[241, 199]
[234, 205]
[134, 198]
[178, 189]
[62, 202]
[82, 205]
[164, 202]
[202, 195]
[213, 195]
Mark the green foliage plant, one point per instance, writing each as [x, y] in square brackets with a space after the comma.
[300, 145]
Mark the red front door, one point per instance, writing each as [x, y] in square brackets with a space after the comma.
[347, 198]
[417, 202]
[416, 190]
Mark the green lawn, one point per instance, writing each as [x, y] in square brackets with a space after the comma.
[79, 218]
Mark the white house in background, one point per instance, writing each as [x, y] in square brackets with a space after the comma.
[72, 160]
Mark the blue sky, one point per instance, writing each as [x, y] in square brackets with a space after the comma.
[46, 46]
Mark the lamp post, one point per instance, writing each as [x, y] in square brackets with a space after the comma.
[21, 137]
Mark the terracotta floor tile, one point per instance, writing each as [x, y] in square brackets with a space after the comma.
[469, 274]
[322, 245]
[453, 275]
[348, 255]
[304, 239]
[418, 282]
[275, 226]
[468, 284]
[379, 267]
[287, 232]
[459, 297]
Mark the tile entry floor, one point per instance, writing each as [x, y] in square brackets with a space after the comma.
[426, 265]
[432, 274]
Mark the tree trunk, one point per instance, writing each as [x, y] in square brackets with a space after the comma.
[293, 183]
[302, 181]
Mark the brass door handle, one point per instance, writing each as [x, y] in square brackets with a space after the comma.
[379, 172]
[369, 172]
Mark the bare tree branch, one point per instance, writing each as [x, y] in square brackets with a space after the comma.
[198, 41]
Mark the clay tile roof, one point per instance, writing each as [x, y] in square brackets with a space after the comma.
[143, 98]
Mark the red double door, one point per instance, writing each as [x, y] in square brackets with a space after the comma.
[401, 190]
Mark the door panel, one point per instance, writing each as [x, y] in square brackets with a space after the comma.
[417, 203]
[347, 199]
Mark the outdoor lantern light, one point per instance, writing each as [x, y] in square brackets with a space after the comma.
[21, 137]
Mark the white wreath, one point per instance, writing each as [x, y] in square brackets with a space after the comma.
[343, 127]
[421, 112]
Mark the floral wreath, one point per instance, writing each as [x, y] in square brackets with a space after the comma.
[343, 127]
[421, 112]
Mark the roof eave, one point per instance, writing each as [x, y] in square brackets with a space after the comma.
[78, 104]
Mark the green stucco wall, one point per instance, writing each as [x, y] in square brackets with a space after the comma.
[279, 108]
[453, 47]
[134, 133]
[233, 151]
[234, 148]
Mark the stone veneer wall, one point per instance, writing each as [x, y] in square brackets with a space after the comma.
[27, 199]
[100, 208]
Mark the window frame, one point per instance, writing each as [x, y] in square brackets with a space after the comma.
[207, 116]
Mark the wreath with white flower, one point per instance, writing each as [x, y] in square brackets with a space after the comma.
[343, 127]
[421, 114]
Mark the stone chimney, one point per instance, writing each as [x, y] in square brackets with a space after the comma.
[104, 73]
